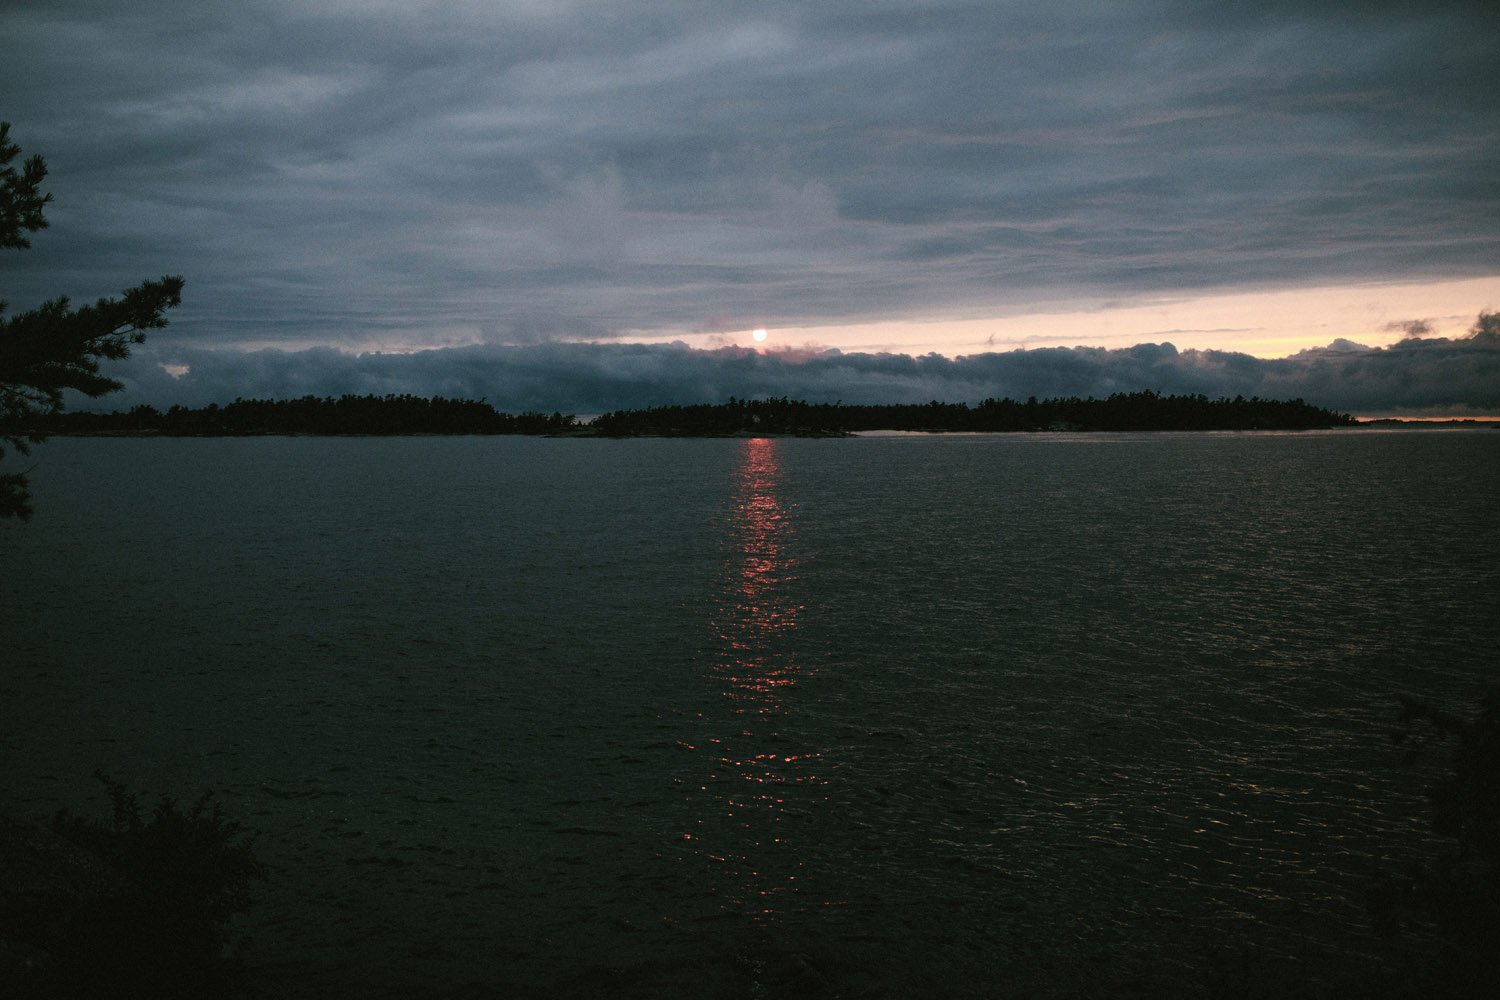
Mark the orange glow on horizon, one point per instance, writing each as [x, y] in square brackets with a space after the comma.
[1265, 323]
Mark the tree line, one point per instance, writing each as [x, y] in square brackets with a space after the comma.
[319, 415]
[408, 414]
[1147, 410]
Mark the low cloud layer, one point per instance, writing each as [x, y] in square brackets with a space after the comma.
[1414, 377]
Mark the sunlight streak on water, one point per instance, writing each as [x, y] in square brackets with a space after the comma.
[758, 614]
[757, 777]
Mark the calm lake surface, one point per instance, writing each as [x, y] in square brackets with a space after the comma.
[957, 715]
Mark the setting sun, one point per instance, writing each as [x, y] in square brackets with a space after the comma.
[759, 333]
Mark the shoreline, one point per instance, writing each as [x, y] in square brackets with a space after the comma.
[588, 432]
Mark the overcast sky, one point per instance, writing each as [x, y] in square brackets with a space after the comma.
[544, 192]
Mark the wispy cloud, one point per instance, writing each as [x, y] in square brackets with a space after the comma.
[1413, 328]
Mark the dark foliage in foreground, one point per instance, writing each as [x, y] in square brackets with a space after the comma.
[159, 927]
[1135, 411]
[1458, 892]
[53, 348]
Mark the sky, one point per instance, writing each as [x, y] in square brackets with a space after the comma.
[565, 205]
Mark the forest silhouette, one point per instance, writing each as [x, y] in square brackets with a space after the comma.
[408, 414]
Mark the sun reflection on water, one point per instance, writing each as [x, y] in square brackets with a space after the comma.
[758, 777]
[758, 615]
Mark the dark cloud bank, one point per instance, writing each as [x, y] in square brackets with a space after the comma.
[426, 173]
[534, 174]
[1417, 376]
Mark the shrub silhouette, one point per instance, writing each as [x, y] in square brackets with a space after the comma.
[1458, 892]
[161, 929]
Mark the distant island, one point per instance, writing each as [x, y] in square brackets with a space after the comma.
[407, 414]
[1133, 411]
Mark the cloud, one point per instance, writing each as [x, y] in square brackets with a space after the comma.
[344, 174]
[1413, 328]
[1437, 375]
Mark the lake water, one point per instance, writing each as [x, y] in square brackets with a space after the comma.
[956, 715]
